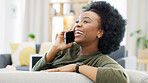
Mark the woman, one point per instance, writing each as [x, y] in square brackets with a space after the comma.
[98, 31]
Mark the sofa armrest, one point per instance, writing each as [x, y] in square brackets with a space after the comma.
[137, 76]
[128, 62]
[60, 77]
[5, 59]
[42, 77]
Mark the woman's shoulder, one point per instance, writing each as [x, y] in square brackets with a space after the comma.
[104, 59]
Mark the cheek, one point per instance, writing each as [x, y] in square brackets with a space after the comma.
[91, 28]
[91, 32]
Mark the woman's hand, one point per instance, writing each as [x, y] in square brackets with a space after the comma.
[60, 44]
[89, 71]
[67, 68]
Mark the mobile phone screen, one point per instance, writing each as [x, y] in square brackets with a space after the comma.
[69, 37]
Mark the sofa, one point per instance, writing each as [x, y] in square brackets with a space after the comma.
[5, 59]
[26, 76]
[60, 77]
[121, 56]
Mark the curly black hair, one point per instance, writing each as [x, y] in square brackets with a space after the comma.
[112, 23]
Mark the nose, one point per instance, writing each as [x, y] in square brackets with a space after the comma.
[78, 24]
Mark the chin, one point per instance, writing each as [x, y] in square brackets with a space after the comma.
[78, 41]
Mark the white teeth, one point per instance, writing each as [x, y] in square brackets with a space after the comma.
[79, 32]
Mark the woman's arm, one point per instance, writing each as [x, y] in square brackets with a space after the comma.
[88, 71]
[104, 74]
[51, 54]
[59, 45]
[99, 75]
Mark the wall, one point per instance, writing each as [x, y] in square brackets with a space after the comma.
[12, 23]
[137, 18]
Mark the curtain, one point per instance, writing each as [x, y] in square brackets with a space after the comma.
[36, 20]
[2, 13]
[20, 18]
[11, 23]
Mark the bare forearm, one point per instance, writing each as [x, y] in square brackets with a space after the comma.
[88, 71]
[106, 75]
[51, 54]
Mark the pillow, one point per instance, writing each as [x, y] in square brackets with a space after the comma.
[45, 47]
[21, 52]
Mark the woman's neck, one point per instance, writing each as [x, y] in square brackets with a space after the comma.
[88, 49]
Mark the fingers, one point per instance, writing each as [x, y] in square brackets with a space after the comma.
[63, 32]
[69, 45]
[68, 30]
[67, 68]
[51, 70]
[74, 28]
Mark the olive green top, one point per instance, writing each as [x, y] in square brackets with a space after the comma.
[109, 71]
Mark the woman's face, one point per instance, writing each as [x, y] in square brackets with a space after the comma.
[87, 28]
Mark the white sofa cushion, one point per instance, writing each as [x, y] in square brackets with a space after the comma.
[60, 77]
[137, 76]
[42, 77]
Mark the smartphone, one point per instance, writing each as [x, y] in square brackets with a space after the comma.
[69, 37]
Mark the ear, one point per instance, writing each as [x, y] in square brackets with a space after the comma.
[100, 33]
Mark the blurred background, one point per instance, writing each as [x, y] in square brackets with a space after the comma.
[42, 20]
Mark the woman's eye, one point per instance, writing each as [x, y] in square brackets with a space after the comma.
[85, 21]
[77, 21]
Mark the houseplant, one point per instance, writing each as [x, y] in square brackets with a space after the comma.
[31, 37]
[142, 43]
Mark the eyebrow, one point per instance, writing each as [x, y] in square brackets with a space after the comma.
[87, 17]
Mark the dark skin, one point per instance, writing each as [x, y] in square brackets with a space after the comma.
[87, 35]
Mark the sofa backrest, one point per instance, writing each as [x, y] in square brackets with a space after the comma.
[120, 53]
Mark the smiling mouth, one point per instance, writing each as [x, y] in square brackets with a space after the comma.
[78, 33]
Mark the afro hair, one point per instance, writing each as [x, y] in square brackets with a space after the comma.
[112, 23]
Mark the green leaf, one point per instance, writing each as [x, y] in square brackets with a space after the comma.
[138, 31]
[141, 40]
[84, 7]
[131, 34]
[138, 42]
[146, 41]
[31, 35]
